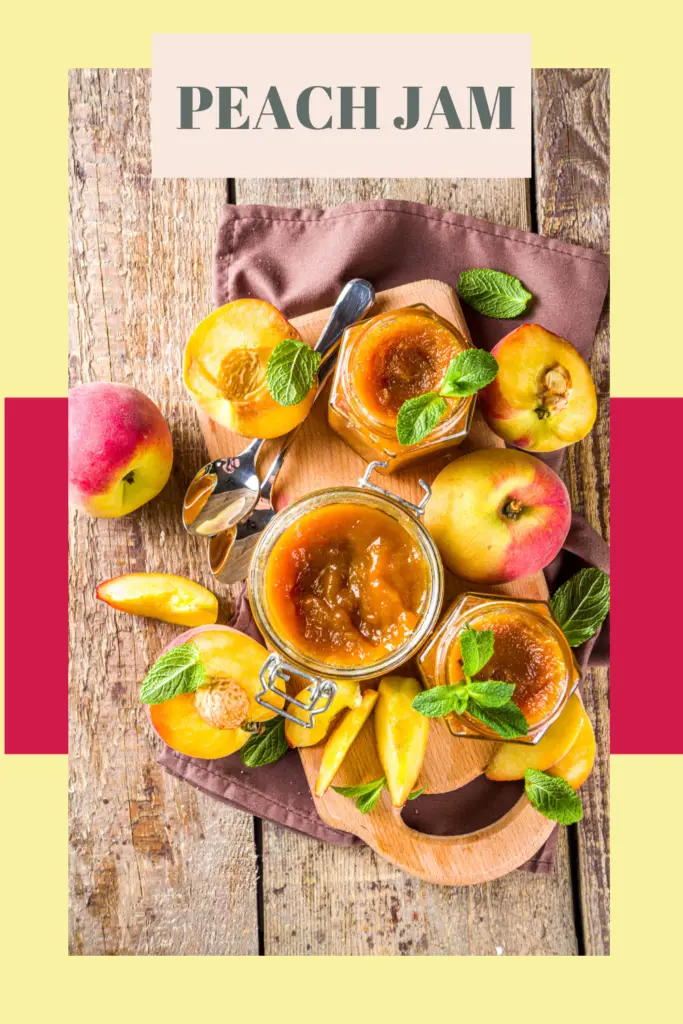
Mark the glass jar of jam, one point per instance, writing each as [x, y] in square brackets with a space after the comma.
[345, 584]
[384, 361]
[529, 650]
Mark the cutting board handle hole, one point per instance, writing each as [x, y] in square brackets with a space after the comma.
[472, 807]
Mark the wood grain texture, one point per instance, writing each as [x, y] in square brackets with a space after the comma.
[331, 910]
[151, 859]
[572, 200]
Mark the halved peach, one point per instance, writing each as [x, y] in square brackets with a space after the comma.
[511, 760]
[577, 763]
[232, 662]
[160, 595]
[341, 738]
[348, 695]
[225, 369]
[543, 397]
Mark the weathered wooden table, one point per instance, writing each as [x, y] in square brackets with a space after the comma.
[155, 866]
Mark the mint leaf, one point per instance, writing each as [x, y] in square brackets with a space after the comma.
[365, 796]
[267, 746]
[553, 797]
[441, 700]
[468, 373]
[490, 694]
[177, 671]
[476, 648]
[581, 605]
[493, 293]
[507, 720]
[418, 416]
[291, 371]
[416, 793]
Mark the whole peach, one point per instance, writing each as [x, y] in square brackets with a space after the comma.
[498, 514]
[120, 449]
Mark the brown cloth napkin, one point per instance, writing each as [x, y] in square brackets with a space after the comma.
[299, 260]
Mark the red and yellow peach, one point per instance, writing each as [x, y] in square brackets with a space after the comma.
[120, 449]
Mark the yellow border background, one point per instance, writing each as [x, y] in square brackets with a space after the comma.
[41, 981]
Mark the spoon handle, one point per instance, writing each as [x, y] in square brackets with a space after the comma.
[354, 299]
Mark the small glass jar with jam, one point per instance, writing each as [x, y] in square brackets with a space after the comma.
[345, 584]
[529, 650]
[383, 362]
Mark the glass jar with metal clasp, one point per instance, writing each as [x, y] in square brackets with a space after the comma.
[345, 586]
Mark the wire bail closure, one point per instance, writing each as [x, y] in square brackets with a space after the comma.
[276, 669]
[417, 510]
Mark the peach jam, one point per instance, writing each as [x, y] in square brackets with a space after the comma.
[346, 584]
[529, 650]
[385, 361]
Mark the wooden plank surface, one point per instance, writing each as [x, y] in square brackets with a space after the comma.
[150, 858]
[572, 200]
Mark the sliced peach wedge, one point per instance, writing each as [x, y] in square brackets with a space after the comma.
[348, 695]
[225, 369]
[511, 760]
[401, 734]
[341, 739]
[160, 595]
[577, 763]
[222, 713]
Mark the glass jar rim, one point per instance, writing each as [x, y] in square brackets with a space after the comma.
[345, 495]
[495, 602]
[457, 409]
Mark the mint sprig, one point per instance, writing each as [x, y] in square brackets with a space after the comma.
[489, 701]
[291, 371]
[493, 293]
[581, 605]
[553, 797]
[365, 796]
[177, 671]
[267, 746]
[467, 373]
[418, 416]
[416, 793]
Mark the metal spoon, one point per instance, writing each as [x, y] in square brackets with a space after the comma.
[230, 552]
[225, 491]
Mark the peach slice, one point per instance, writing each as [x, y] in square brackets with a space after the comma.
[232, 662]
[341, 738]
[577, 763]
[159, 595]
[225, 369]
[401, 734]
[543, 397]
[511, 760]
[348, 695]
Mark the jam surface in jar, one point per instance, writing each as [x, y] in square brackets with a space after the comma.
[524, 653]
[346, 584]
[400, 357]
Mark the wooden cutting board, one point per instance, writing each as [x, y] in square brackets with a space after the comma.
[319, 458]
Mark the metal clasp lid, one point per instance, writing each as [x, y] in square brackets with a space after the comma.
[277, 669]
[417, 510]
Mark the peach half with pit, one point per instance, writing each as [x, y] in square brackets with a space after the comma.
[220, 716]
[120, 449]
[543, 397]
[225, 364]
[497, 515]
